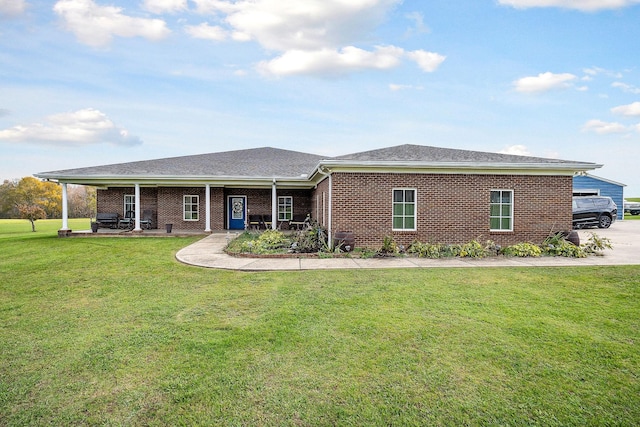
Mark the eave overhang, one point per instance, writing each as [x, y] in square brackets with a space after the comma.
[178, 181]
[474, 168]
[321, 170]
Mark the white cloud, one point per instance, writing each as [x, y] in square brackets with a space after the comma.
[632, 109]
[603, 128]
[518, 150]
[207, 32]
[594, 71]
[315, 36]
[331, 62]
[583, 5]
[283, 25]
[12, 7]
[427, 61]
[164, 6]
[543, 82]
[419, 25]
[83, 127]
[396, 87]
[626, 87]
[96, 25]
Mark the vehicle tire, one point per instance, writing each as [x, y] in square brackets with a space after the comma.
[604, 221]
[635, 212]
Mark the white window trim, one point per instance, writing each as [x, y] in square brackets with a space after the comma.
[513, 198]
[415, 210]
[132, 203]
[184, 207]
[285, 197]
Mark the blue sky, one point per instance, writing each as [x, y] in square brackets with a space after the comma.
[90, 82]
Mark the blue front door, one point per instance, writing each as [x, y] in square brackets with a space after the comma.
[236, 212]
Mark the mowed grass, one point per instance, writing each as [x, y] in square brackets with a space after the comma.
[114, 331]
[627, 215]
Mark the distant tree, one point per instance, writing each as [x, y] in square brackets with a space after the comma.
[82, 201]
[7, 205]
[32, 213]
[33, 199]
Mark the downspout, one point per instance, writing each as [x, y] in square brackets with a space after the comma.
[329, 215]
[274, 206]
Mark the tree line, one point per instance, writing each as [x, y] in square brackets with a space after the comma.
[32, 199]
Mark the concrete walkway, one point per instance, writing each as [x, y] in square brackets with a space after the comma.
[208, 252]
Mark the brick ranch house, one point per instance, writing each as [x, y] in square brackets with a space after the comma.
[409, 192]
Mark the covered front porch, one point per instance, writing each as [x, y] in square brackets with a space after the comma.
[144, 208]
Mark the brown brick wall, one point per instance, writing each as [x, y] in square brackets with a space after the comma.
[259, 200]
[171, 207]
[319, 209]
[167, 203]
[112, 200]
[450, 208]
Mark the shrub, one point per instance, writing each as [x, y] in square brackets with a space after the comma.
[596, 244]
[425, 250]
[389, 247]
[269, 241]
[522, 250]
[474, 249]
[557, 245]
[312, 239]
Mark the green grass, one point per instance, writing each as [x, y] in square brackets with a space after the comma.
[627, 215]
[100, 331]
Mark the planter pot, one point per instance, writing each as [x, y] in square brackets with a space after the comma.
[345, 240]
[94, 227]
[572, 237]
[169, 227]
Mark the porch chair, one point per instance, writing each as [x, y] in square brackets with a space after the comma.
[299, 221]
[266, 221]
[127, 221]
[147, 219]
[255, 221]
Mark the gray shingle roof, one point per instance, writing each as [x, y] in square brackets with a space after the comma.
[267, 162]
[256, 162]
[422, 153]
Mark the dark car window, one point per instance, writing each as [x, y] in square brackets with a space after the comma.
[584, 203]
[601, 202]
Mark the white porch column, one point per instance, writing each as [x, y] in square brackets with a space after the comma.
[137, 212]
[274, 206]
[65, 208]
[207, 210]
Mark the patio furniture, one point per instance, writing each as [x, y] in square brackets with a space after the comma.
[299, 221]
[128, 221]
[255, 221]
[146, 221]
[266, 221]
[107, 219]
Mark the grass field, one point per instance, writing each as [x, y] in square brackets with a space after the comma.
[629, 216]
[114, 331]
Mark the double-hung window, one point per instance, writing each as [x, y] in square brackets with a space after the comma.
[129, 204]
[191, 208]
[501, 210]
[285, 208]
[404, 209]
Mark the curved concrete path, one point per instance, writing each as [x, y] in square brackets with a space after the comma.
[208, 252]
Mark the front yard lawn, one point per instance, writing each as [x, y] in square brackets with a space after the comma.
[114, 331]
